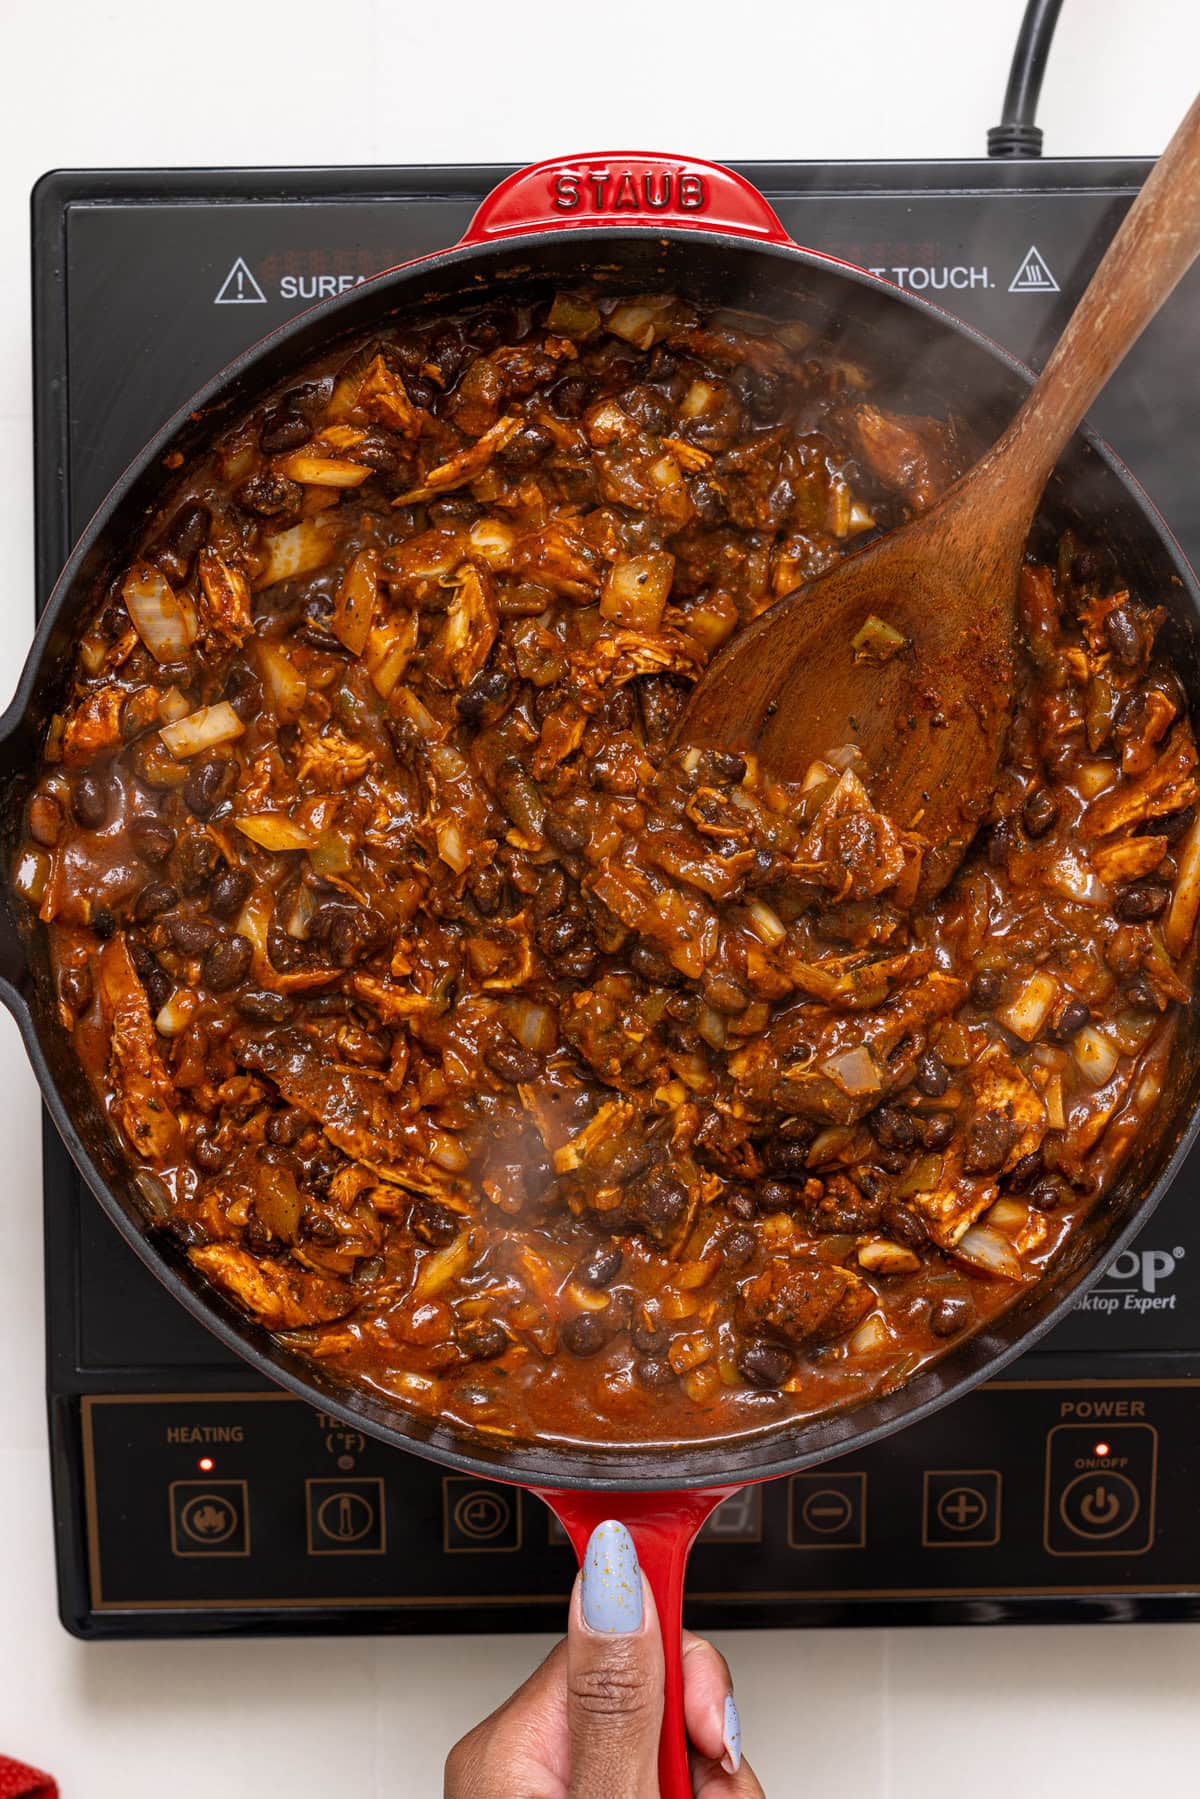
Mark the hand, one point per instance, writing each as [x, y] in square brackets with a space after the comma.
[586, 1723]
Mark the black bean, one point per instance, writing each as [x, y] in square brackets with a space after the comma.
[741, 1202]
[894, 1127]
[421, 391]
[264, 1007]
[103, 923]
[159, 988]
[654, 1373]
[738, 1246]
[228, 892]
[894, 1161]
[483, 1339]
[153, 838]
[787, 1158]
[511, 1060]
[91, 801]
[1142, 900]
[485, 883]
[283, 429]
[243, 690]
[1072, 1018]
[526, 447]
[663, 1201]
[601, 1266]
[1172, 825]
[75, 986]
[726, 995]
[227, 963]
[776, 1196]
[728, 765]
[951, 1315]
[345, 939]
[569, 396]
[563, 834]
[1141, 994]
[932, 1075]
[1048, 1194]
[207, 1154]
[1023, 1173]
[1039, 812]
[765, 1364]
[584, 1334]
[155, 897]
[905, 1226]
[433, 1223]
[987, 986]
[560, 934]
[196, 861]
[988, 1143]
[184, 537]
[205, 784]
[1124, 637]
[287, 1127]
[269, 495]
[489, 685]
[192, 936]
[652, 967]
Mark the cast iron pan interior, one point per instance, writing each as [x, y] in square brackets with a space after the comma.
[938, 365]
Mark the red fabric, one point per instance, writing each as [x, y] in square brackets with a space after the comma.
[19, 1782]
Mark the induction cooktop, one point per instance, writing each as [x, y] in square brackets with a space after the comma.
[188, 1497]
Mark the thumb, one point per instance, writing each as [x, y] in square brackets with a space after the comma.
[614, 1673]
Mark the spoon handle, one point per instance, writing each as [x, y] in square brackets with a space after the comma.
[1153, 249]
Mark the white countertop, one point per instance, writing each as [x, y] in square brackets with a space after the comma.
[880, 1714]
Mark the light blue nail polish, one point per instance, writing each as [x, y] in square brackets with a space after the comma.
[611, 1590]
[732, 1735]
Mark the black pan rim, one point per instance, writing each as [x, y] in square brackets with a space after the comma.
[568, 1465]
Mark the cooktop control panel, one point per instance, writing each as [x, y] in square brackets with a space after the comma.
[253, 1502]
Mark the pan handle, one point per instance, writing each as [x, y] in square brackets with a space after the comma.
[623, 188]
[663, 1527]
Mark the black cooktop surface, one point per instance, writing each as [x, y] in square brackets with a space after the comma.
[188, 1498]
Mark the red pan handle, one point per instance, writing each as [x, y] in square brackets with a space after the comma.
[663, 1527]
[623, 188]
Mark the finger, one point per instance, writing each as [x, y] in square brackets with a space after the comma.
[614, 1673]
[521, 1747]
[711, 1781]
[708, 1708]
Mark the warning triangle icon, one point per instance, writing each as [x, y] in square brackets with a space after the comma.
[239, 288]
[1033, 276]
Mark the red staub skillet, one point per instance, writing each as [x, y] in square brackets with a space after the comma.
[628, 223]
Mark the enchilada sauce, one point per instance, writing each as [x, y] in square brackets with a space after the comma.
[496, 1052]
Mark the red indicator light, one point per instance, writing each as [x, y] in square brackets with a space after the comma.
[1101, 1449]
[205, 1464]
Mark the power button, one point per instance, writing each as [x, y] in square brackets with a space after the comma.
[1100, 1489]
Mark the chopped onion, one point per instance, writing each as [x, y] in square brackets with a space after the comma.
[1075, 879]
[447, 1152]
[322, 471]
[712, 621]
[288, 688]
[452, 846]
[357, 598]
[766, 923]
[165, 620]
[1181, 919]
[573, 317]
[203, 730]
[492, 541]
[442, 1266]
[300, 916]
[1009, 1216]
[987, 1249]
[666, 472]
[533, 1025]
[173, 1016]
[871, 1335]
[33, 871]
[711, 1026]
[636, 589]
[417, 714]
[172, 706]
[1052, 1099]
[1096, 1056]
[882, 1256]
[389, 648]
[1094, 777]
[273, 831]
[922, 1177]
[1027, 1012]
[854, 1070]
[876, 640]
[297, 551]
[640, 323]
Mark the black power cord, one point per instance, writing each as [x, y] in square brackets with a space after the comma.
[1016, 134]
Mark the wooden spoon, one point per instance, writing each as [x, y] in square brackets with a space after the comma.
[931, 718]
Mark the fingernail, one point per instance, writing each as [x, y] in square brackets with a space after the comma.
[732, 1737]
[611, 1590]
